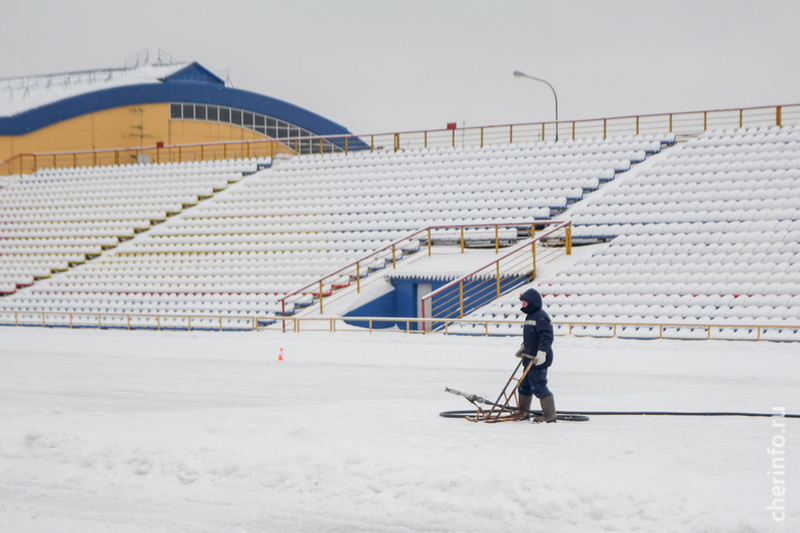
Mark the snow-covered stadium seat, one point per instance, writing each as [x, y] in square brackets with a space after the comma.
[708, 235]
[274, 231]
[58, 217]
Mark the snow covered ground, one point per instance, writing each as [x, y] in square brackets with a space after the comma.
[116, 431]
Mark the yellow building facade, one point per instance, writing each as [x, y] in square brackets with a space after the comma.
[124, 127]
[157, 111]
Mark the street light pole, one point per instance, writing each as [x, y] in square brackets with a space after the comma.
[518, 74]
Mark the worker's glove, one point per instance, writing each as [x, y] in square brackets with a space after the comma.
[520, 353]
[540, 359]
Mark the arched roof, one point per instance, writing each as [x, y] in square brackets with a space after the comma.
[191, 84]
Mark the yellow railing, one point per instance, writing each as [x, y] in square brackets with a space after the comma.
[69, 319]
[481, 327]
[30, 163]
[484, 327]
[325, 285]
[516, 267]
[684, 124]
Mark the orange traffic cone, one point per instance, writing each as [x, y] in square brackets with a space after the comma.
[280, 355]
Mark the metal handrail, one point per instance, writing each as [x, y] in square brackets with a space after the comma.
[371, 321]
[777, 115]
[254, 320]
[560, 225]
[393, 246]
[40, 159]
[320, 281]
[332, 321]
[427, 299]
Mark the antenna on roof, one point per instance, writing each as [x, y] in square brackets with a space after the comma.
[139, 59]
[142, 58]
[166, 59]
[223, 74]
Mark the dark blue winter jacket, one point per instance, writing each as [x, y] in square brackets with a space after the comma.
[537, 333]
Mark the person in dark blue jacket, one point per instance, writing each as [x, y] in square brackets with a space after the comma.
[537, 350]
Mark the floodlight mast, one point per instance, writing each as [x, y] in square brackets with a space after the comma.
[518, 74]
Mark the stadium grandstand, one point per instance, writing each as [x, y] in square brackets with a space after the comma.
[156, 196]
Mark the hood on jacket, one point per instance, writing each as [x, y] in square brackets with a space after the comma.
[533, 299]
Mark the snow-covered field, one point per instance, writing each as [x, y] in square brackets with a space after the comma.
[115, 431]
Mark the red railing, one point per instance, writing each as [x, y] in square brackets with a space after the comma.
[687, 123]
[320, 282]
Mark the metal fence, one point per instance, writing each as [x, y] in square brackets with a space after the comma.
[130, 321]
[683, 124]
[453, 326]
[29, 163]
[490, 327]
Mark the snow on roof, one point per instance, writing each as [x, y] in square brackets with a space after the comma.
[446, 264]
[25, 93]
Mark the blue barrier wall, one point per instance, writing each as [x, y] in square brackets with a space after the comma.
[383, 306]
[402, 301]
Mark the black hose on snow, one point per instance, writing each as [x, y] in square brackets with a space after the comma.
[584, 415]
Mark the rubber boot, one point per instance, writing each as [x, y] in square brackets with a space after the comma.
[524, 407]
[548, 410]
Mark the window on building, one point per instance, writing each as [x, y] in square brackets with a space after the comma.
[265, 125]
[188, 111]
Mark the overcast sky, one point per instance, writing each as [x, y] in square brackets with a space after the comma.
[379, 66]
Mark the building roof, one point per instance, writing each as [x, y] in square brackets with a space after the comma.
[32, 103]
[26, 93]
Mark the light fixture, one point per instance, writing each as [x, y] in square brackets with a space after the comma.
[519, 74]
